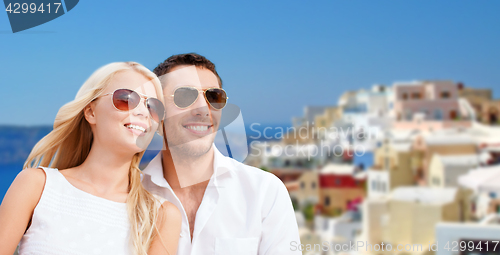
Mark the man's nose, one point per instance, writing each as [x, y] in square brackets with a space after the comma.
[200, 107]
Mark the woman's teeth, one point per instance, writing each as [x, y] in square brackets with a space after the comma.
[198, 128]
[136, 127]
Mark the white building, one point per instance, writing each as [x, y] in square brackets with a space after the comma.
[445, 170]
[450, 237]
[409, 214]
[276, 154]
[485, 182]
[338, 230]
[368, 113]
[483, 179]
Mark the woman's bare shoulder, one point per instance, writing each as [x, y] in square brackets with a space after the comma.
[18, 205]
[169, 227]
[169, 214]
[31, 176]
[28, 185]
[167, 208]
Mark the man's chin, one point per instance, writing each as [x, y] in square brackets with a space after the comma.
[191, 149]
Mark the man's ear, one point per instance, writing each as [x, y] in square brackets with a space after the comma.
[89, 113]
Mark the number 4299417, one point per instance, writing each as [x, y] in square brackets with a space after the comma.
[485, 246]
[32, 8]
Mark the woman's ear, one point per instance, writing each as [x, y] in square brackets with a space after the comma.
[89, 113]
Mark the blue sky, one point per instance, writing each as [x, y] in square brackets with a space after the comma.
[274, 56]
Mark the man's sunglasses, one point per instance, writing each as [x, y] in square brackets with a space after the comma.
[127, 100]
[186, 96]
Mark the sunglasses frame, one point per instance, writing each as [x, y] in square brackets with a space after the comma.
[142, 96]
[204, 95]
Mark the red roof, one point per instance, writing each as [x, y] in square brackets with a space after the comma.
[339, 181]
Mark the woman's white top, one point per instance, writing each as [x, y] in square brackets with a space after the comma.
[68, 220]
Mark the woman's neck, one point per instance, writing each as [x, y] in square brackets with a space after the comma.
[106, 170]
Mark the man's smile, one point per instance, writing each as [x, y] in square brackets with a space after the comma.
[199, 128]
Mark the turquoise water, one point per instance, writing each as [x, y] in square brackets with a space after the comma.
[16, 143]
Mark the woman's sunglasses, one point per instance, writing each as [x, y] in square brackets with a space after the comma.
[127, 100]
[186, 96]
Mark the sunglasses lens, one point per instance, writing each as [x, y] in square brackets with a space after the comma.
[216, 97]
[156, 109]
[125, 99]
[184, 97]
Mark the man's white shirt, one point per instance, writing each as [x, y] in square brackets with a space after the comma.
[244, 210]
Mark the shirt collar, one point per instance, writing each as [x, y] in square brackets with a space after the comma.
[222, 165]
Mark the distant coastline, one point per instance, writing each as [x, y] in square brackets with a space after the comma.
[16, 142]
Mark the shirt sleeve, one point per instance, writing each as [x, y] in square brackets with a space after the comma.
[280, 234]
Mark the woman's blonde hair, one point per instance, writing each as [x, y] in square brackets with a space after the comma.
[69, 143]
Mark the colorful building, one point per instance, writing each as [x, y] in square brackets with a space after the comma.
[340, 185]
[429, 105]
[487, 110]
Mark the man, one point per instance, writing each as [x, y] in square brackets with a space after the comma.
[227, 207]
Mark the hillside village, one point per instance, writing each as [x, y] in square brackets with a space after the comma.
[431, 184]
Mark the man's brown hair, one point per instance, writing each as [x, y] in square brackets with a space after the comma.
[186, 59]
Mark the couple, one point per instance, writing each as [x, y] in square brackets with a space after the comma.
[82, 191]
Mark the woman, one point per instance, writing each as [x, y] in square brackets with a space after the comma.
[91, 200]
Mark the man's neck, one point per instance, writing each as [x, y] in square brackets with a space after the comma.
[183, 171]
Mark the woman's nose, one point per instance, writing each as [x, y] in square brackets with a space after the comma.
[141, 109]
